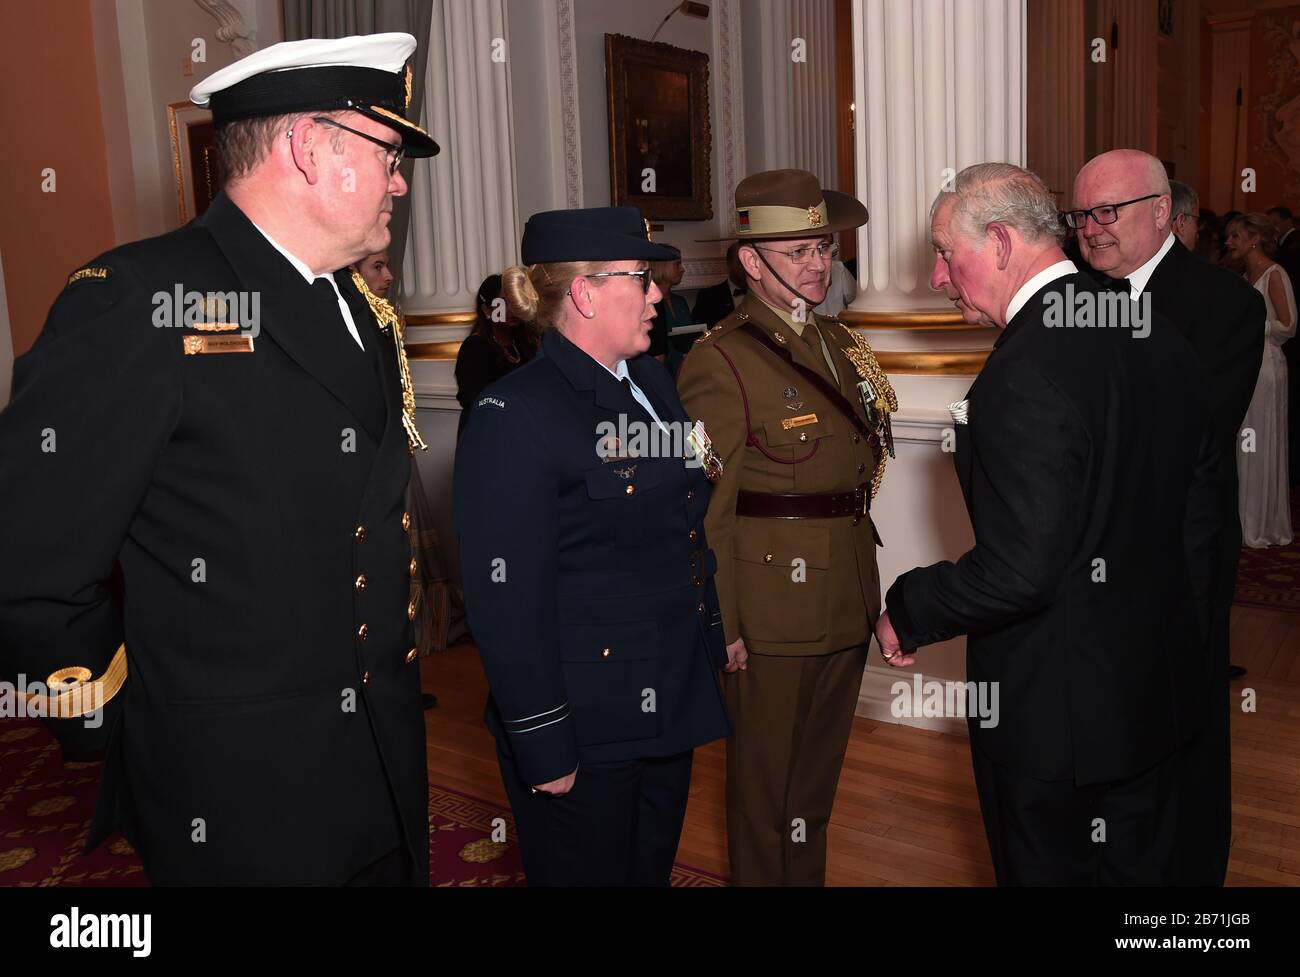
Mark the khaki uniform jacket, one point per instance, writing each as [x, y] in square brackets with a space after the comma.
[778, 605]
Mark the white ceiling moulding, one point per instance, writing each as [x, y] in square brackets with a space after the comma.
[231, 28]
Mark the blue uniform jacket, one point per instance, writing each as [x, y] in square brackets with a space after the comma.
[588, 580]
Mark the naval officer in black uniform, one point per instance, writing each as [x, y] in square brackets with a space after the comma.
[217, 415]
[580, 506]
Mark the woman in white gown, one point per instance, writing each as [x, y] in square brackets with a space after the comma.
[1264, 500]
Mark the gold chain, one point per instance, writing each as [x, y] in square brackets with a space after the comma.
[387, 316]
[864, 361]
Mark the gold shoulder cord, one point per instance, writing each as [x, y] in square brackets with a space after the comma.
[386, 315]
[75, 692]
[864, 361]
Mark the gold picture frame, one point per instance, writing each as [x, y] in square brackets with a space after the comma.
[659, 120]
[194, 163]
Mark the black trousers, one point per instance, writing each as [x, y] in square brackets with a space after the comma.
[618, 826]
[1050, 832]
[393, 869]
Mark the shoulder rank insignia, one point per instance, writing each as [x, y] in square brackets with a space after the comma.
[84, 273]
[388, 317]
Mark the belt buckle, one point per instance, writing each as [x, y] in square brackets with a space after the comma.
[861, 503]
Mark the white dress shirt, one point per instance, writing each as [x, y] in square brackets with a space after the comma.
[1030, 288]
[620, 374]
[310, 279]
[1138, 280]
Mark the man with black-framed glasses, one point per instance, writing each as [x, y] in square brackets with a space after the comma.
[1123, 216]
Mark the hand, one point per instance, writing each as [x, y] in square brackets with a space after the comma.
[890, 648]
[557, 788]
[737, 656]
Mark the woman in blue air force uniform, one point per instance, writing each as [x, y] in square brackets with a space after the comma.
[587, 576]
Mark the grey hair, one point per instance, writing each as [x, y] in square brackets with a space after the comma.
[1003, 193]
[1184, 199]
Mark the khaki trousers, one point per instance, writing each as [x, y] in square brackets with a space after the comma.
[791, 718]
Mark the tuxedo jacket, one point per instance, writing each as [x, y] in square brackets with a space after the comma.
[1087, 467]
[588, 577]
[271, 728]
[1222, 317]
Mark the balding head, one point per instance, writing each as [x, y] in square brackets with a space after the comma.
[1140, 229]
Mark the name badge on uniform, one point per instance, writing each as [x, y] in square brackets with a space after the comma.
[790, 423]
[702, 446]
[194, 345]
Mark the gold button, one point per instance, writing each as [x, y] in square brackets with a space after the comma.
[690, 495]
[360, 534]
[406, 521]
[362, 632]
[803, 435]
[365, 678]
[410, 611]
[701, 607]
[360, 585]
[630, 489]
[856, 439]
[411, 655]
[767, 557]
[413, 567]
[861, 468]
[605, 653]
[693, 536]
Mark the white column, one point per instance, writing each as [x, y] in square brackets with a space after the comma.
[798, 113]
[938, 85]
[464, 217]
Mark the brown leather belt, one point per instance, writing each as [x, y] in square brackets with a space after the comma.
[830, 505]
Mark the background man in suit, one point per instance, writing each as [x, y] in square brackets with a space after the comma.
[1083, 450]
[715, 303]
[1124, 232]
[1185, 206]
[252, 502]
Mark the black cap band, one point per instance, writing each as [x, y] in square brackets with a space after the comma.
[323, 89]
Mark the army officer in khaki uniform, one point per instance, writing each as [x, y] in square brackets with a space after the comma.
[798, 409]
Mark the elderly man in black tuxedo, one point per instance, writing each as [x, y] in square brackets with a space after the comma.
[1124, 229]
[1084, 456]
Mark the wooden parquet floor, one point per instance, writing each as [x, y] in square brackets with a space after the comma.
[906, 812]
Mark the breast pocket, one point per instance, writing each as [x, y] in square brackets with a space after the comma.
[794, 441]
[611, 673]
[630, 498]
[782, 570]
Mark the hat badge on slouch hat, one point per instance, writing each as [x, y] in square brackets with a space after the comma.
[366, 74]
[777, 204]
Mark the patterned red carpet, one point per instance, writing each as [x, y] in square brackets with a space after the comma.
[1271, 577]
[46, 806]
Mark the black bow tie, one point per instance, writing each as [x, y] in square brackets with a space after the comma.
[1109, 284]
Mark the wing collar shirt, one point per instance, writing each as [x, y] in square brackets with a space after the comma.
[1030, 288]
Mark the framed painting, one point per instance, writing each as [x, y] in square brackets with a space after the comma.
[194, 159]
[660, 141]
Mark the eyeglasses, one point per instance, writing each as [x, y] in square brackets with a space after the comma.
[396, 152]
[1104, 214]
[800, 256]
[643, 274]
